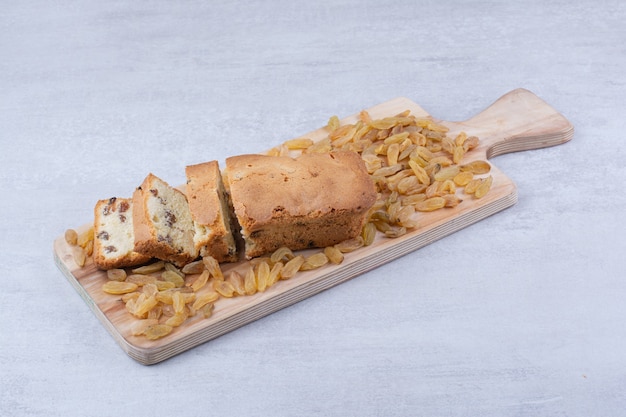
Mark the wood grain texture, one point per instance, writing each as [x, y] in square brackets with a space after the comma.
[517, 121]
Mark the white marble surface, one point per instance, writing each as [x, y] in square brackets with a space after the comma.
[522, 314]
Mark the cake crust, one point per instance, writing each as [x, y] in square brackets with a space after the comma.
[210, 210]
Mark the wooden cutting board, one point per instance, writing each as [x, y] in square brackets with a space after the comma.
[517, 121]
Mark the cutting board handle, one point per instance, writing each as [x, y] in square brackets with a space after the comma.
[517, 121]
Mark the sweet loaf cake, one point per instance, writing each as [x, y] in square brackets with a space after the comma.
[114, 238]
[210, 211]
[314, 200]
[162, 222]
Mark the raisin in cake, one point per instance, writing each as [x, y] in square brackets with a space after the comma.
[314, 200]
[210, 211]
[114, 238]
[162, 222]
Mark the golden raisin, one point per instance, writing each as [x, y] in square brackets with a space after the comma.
[140, 279]
[71, 237]
[79, 255]
[314, 261]
[195, 267]
[201, 281]
[334, 255]
[116, 274]
[262, 275]
[368, 233]
[275, 273]
[173, 268]
[458, 154]
[178, 302]
[301, 143]
[139, 327]
[157, 331]
[430, 204]
[484, 187]
[350, 244]
[236, 280]
[141, 309]
[476, 167]
[149, 269]
[177, 319]
[460, 139]
[282, 254]
[447, 173]
[117, 287]
[333, 123]
[420, 172]
[207, 310]
[249, 282]
[164, 285]
[462, 178]
[85, 237]
[205, 299]
[224, 288]
[213, 267]
[173, 277]
[471, 186]
[292, 267]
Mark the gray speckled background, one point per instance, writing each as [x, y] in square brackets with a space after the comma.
[521, 314]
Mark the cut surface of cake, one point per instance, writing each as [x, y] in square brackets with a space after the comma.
[162, 222]
[114, 237]
[314, 200]
[210, 211]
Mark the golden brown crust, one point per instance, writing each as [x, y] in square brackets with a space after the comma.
[314, 200]
[202, 189]
[310, 185]
[207, 201]
[143, 232]
[132, 259]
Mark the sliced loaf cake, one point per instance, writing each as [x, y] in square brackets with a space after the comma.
[162, 222]
[315, 200]
[210, 211]
[114, 237]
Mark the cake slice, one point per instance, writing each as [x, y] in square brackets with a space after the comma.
[210, 211]
[114, 238]
[314, 200]
[162, 222]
